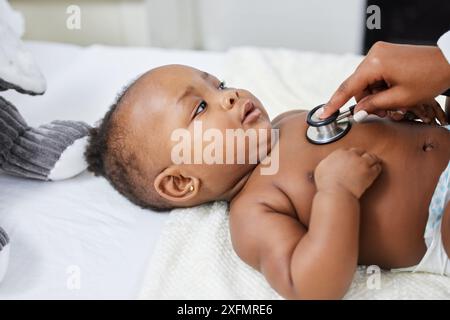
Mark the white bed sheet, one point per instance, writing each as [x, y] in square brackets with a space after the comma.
[80, 239]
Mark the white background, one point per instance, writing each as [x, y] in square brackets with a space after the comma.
[324, 25]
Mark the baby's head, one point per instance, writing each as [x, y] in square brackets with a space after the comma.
[133, 147]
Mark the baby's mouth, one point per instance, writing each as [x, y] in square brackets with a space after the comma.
[250, 112]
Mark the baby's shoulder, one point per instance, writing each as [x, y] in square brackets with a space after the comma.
[288, 115]
[261, 194]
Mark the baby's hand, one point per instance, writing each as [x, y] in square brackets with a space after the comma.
[352, 169]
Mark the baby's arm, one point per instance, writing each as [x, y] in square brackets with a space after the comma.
[317, 263]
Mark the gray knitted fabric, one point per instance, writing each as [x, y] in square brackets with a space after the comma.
[4, 240]
[4, 254]
[32, 152]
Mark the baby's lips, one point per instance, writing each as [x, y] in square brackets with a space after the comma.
[247, 107]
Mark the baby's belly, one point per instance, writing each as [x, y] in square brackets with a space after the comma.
[394, 209]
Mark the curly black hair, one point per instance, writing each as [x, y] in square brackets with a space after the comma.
[108, 156]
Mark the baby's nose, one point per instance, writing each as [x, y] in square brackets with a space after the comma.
[230, 99]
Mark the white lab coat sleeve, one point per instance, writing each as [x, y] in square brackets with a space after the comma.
[444, 44]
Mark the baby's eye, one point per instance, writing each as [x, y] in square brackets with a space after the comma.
[200, 108]
[222, 85]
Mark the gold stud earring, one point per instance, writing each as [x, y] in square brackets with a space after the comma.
[191, 188]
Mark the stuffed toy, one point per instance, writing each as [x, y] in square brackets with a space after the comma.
[49, 152]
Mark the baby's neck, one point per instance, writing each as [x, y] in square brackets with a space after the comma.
[230, 194]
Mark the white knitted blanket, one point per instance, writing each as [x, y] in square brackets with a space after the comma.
[195, 259]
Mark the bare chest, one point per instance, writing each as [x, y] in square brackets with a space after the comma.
[394, 209]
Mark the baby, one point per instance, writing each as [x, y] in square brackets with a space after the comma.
[375, 197]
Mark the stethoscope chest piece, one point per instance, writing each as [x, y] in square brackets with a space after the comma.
[323, 131]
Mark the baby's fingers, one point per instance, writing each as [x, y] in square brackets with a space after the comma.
[371, 159]
[358, 151]
[376, 170]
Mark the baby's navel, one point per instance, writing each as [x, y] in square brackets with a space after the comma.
[427, 146]
[310, 176]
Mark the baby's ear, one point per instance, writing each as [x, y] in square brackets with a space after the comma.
[173, 186]
[53, 151]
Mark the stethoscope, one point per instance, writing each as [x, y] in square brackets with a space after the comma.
[333, 128]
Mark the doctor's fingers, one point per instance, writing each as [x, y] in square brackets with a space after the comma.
[352, 86]
[440, 114]
[429, 112]
[376, 87]
[388, 99]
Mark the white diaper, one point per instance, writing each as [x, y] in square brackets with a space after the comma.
[435, 259]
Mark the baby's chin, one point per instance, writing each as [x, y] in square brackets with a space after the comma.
[262, 123]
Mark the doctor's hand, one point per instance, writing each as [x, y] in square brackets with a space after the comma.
[428, 112]
[393, 77]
